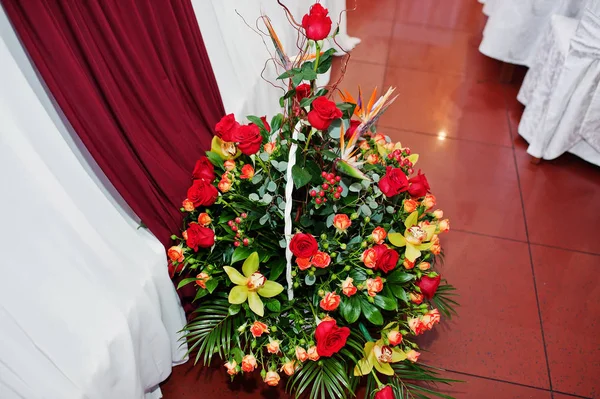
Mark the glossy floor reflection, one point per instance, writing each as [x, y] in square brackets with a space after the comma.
[525, 250]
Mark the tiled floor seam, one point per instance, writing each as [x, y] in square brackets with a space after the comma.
[446, 137]
[535, 289]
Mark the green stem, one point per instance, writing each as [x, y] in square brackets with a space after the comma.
[317, 55]
[312, 130]
[379, 383]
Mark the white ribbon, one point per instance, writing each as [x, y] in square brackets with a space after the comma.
[289, 188]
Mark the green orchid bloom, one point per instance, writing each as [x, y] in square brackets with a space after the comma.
[223, 149]
[251, 285]
[379, 356]
[415, 238]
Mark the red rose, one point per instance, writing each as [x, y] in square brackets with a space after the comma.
[249, 139]
[198, 236]
[204, 170]
[316, 23]
[264, 121]
[330, 338]
[226, 128]
[429, 285]
[394, 182]
[419, 187]
[303, 91]
[385, 393]
[303, 245]
[202, 193]
[386, 260]
[353, 125]
[323, 113]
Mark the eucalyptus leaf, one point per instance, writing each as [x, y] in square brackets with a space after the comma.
[254, 197]
[264, 219]
[329, 221]
[257, 178]
[365, 210]
[355, 187]
[310, 280]
[272, 186]
[282, 166]
[267, 198]
[264, 156]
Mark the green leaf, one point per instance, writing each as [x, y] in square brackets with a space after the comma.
[272, 186]
[350, 308]
[234, 309]
[300, 176]
[215, 159]
[385, 303]
[371, 312]
[240, 253]
[399, 292]
[277, 267]
[211, 284]
[201, 293]
[290, 73]
[305, 102]
[257, 121]
[185, 281]
[399, 277]
[274, 305]
[276, 122]
[329, 155]
[355, 187]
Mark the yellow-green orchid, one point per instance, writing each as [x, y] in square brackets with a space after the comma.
[251, 285]
[379, 356]
[224, 149]
[416, 238]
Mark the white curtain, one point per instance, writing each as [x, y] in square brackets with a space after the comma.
[238, 54]
[87, 309]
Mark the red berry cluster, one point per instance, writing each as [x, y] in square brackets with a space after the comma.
[234, 224]
[399, 157]
[329, 189]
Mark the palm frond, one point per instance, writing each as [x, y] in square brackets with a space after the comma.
[327, 378]
[443, 300]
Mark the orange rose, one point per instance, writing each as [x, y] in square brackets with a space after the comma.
[270, 148]
[364, 145]
[438, 214]
[389, 147]
[303, 263]
[272, 378]
[373, 159]
[379, 235]
[229, 165]
[231, 367]
[431, 318]
[374, 285]
[341, 222]
[444, 226]
[273, 346]
[248, 363]
[247, 172]
[321, 260]
[410, 205]
[369, 258]
[188, 205]
[417, 326]
[429, 201]
[289, 368]
[424, 266]
[301, 354]
[330, 301]
[394, 337]
[408, 264]
[257, 329]
[175, 254]
[224, 185]
[416, 297]
[201, 279]
[313, 354]
[379, 139]
[204, 219]
[412, 355]
[348, 288]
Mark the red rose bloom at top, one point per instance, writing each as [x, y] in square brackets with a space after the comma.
[316, 23]
[204, 170]
[429, 285]
[198, 236]
[303, 245]
[264, 121]
[419, 186]
[302, 91]
[330, 338]
[323, 113]
[385, 393]
[394, 182]
[226, 128]
[202, 193]
[249, 139]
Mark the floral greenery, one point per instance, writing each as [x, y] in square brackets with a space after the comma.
[365, 227]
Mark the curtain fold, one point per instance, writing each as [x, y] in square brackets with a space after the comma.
[134, 80]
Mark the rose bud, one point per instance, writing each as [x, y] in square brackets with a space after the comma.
[412, 355]
[248, 363]
[410, 205]
[289, 368]
[444, 226]
[373, 159]
[204, 219]
[415, 297]
[394, 337]
[201, 279]
[374, 285]
[188, 205]
[224, 185]
[379, 235]
[364, 145]
[348, 288]
[429, 285]
[313, 354]
[330, 301]
[231, 367]
[369, 258]
[438, 214]
[301, 354]
[229, 165]
[385, 393]
[408, 264]
[272, 378]
[321, 260]
[270, 148]
[431, 318]
[341, 222]
[424, 266]
[257, 329]
[316, 23]
[419, 186]
[272, 346]
[428, 201]
[175, 253]
[303, 263]
[379, 139]
[417, 326]
[247, 172]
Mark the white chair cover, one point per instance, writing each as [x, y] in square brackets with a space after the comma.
[515, 28]
[238, 55]
[87, 309]
[562, 90]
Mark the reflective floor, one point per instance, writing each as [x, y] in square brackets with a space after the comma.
[524, 250]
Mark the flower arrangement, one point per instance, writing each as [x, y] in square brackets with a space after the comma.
[312, 242]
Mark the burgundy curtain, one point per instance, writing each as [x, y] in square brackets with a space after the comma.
[134, 80]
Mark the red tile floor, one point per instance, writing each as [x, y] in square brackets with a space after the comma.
[525, 247]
